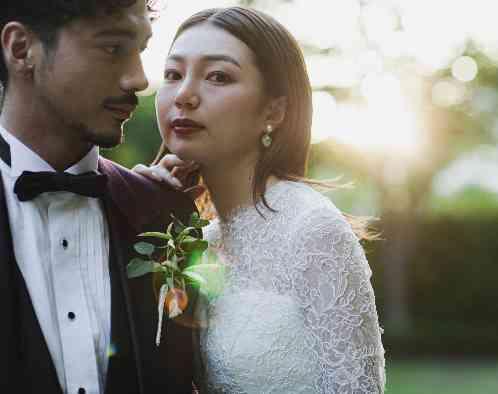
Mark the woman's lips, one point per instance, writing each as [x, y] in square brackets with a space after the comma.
[185, 126]
[186, 130]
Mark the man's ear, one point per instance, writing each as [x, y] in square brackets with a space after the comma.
[17, 46]
[276, 110]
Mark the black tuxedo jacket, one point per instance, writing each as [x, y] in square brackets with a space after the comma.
[133, 205]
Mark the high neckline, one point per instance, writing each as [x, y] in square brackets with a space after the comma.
[272, 195]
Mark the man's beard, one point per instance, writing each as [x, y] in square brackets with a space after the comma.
[81, 131]
[101, 138]
[77, 128]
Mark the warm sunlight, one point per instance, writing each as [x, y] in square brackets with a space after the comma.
[174, 14]
[303, 199]
[366, 37]
[385, 122]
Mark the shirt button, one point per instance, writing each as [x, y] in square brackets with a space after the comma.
[64, 243]
[81, 390]
[71, 316]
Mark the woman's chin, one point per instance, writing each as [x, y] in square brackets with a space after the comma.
[186, 154]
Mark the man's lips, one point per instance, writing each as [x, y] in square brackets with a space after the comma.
[122, 112]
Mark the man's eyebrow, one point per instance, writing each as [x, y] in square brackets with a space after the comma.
[117, 32]
[209, 58]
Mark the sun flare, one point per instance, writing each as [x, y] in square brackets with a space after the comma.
[365, 37]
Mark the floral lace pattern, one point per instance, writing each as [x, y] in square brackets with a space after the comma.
[298, 311]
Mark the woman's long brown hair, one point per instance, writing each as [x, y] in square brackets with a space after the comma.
[281, 63]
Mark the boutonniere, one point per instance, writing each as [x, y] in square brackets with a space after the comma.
[177, 258]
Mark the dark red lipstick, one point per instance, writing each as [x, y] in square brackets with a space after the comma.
[185, 126]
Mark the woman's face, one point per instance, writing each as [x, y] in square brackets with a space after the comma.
[211, 106]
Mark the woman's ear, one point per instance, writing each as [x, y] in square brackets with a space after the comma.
[16, 43]
[276, 111]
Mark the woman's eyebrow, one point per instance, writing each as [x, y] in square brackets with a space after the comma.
[208, 58]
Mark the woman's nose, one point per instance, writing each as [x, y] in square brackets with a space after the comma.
[187, 95]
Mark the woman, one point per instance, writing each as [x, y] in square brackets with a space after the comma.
[298, 312]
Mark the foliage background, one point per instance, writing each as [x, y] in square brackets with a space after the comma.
[435, 272]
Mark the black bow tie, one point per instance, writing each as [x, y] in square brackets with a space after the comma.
[31, 184]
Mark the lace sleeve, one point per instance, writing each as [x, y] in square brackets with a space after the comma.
[332, 285]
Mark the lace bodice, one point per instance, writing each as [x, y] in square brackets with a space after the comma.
[298, 312]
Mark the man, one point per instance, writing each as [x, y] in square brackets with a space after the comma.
[72, 321]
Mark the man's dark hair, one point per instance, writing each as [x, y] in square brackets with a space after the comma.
[46, 17]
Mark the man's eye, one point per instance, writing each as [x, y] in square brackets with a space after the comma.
[171, 75]
[219, 77]
[113, 49]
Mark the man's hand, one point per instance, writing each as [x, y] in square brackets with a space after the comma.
[177, 173]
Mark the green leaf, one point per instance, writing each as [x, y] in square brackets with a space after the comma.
[199, 223]
[204, 268]
[194, 276]
[171, 264]
[156, 235]
[158, 267]
[186, 231]
[168, 230]
[191, 244]
[144, 248]
[194, 257]
[138, 267]
[179, 228]
[213, 275]
[202, 222]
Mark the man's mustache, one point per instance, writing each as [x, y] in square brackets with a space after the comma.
[124, 100]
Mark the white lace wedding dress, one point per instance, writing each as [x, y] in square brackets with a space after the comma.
[298, 312]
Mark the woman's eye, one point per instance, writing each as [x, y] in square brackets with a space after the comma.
[171, 75]
[219, 77]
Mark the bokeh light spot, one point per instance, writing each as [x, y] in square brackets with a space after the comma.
[464, 69]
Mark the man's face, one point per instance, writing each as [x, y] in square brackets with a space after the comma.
[86, 84]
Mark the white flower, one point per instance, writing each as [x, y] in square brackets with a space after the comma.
[174, 309]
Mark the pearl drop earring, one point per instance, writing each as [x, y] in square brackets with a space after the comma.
[266, 139]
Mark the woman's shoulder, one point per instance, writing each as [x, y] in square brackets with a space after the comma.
[307, 202]
[321, 235]
[312, 215]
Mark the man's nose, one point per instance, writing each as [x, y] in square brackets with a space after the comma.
[135, 80]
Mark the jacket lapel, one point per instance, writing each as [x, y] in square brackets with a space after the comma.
[125, 354]
[9, 360]
[135, 205]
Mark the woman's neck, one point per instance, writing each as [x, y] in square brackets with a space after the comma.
[231, 187]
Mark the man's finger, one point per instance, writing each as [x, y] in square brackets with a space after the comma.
[159, 174]
[147, 171]
[196, 191]
[169, 161]
[140, 168]
[165, 176]
[182, 171]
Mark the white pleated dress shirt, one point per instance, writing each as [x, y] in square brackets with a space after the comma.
[61, 244]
